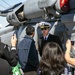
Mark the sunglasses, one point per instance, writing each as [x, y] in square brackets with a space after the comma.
[44, 28]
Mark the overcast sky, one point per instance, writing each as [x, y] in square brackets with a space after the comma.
[4, 4]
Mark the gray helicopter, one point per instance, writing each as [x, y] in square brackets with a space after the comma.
[60, 13]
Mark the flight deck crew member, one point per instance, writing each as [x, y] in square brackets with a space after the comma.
[47, 37]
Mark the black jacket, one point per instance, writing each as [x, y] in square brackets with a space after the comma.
[11, 56]
[51, 38]
[5, 68]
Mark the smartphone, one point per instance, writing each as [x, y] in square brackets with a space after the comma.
[72, 42]
[15, 33]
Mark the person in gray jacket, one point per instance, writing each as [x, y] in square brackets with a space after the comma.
[28, 56]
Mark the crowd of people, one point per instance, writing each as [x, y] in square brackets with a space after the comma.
[53, 59]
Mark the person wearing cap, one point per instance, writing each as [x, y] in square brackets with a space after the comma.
[47, 37]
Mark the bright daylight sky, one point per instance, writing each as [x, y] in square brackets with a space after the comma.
[4, 4]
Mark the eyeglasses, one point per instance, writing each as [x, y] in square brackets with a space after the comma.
[44, 28]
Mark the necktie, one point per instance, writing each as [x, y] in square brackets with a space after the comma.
[45, 38]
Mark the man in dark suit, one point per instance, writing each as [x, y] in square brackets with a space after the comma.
[47, 37]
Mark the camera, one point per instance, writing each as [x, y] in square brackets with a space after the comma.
[72, 42]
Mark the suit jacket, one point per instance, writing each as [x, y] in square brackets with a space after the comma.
[51, 38]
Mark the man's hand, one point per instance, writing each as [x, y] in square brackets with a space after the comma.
[13, 40]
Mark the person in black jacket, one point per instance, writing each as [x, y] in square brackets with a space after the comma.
[8, 59]
[47, 37]
[5, 68]
[28, 56]
[12, 55]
